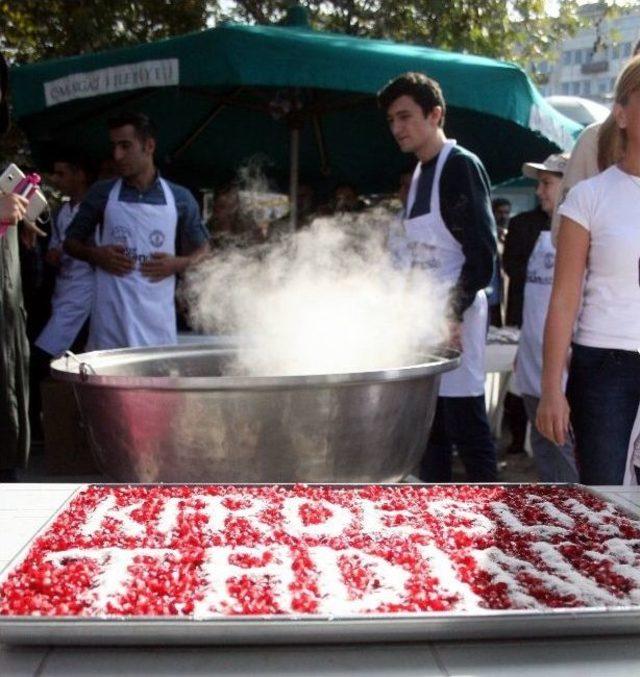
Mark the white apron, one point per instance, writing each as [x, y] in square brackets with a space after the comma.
[131, 310]
[399, 253]
[537, 295]
[433, 248]
[72, 296]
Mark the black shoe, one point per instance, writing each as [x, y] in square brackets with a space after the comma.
[8, 475]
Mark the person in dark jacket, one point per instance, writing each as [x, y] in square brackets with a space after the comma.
[14, 347]
[524, 230]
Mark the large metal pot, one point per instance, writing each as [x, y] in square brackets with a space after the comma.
[166, 415]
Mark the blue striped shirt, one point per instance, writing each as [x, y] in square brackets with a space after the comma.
[190, 231]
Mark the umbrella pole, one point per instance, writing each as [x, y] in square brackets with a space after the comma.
[293, 177]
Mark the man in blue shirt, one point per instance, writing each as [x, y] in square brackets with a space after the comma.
[128, 228]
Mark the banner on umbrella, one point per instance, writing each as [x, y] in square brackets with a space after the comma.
[157, 73]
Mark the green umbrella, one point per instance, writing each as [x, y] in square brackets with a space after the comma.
[304, 99]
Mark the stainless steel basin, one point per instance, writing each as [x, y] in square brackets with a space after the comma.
[167, 415]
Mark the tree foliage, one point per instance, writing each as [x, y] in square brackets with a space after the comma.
[515, 30]
[31, 30]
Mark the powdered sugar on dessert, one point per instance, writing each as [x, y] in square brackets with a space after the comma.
[210, 551]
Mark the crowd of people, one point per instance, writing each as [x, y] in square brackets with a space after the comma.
[117, 245]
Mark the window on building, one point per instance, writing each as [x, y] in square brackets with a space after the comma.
[588, 55]
[586, 87]
[603, 86]
[564, 88]
[577, 56]
[612, 84]
[575, 88]
[615, 52]
[543, 67]
[566, 58]
[626, 50]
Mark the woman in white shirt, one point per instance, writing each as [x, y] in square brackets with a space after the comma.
[598, 245]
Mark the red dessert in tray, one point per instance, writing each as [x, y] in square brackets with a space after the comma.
[209, 551]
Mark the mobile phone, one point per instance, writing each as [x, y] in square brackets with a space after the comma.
[10, 178]
[37, 204]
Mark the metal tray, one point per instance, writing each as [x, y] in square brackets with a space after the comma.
[257, 630]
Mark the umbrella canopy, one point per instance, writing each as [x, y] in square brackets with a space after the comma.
[223, 95]
[583, 111]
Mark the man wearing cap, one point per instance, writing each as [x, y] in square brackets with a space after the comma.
[554, 463]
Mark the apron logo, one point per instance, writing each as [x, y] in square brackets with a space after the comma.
[123, 236]
[549, 260]
[156, 238]
[424, 256]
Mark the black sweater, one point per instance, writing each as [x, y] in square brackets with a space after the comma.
[465, 205]
[522, 234]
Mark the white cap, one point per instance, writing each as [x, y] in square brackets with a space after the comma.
[554, 163]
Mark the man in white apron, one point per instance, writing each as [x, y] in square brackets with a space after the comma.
[73, 293]
[141, 217]
[449, 230]
[554, 463]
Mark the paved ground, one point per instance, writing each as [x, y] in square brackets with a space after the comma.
[515, 468]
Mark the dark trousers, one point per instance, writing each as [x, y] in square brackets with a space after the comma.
[515, 417]
[604, 394]
[461, 422]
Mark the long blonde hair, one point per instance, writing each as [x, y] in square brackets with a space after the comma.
[612, 139]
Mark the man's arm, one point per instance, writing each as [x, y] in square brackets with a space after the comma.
[466, 210]
[80, 238]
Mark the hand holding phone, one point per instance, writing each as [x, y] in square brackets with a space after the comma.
[14, 183]
[12, 208]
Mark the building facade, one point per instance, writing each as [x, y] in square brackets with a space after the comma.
[587, 63]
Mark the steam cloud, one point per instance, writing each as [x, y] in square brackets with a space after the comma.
[324, 300]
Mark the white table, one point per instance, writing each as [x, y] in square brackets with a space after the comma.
[25, 507]
[498, 365]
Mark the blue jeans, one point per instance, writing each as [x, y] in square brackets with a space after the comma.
[554, 463]
[460, 421]
[604, 394]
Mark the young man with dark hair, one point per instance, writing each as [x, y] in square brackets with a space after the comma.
[424, 91]
[449, 229]
[141, 216]
[142, 125]
[73, 293]
[501, 208]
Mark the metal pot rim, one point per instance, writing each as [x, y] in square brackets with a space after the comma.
[84, 369]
